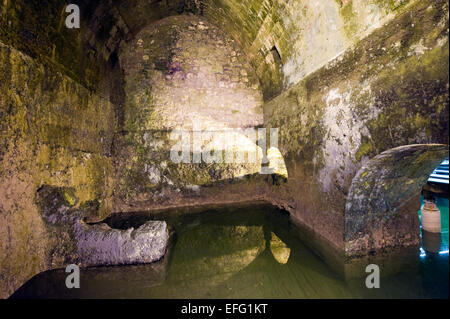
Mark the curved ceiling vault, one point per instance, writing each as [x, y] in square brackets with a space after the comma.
[284, 40]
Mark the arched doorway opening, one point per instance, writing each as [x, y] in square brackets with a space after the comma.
[382, 205]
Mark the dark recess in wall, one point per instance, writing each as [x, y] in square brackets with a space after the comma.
[277, 57]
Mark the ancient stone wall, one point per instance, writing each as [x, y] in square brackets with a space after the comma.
[53, 131]
[182, 74]
[389, 90]
[384, 198]
[287, 40]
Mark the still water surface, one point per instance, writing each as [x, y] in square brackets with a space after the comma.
[244, 252]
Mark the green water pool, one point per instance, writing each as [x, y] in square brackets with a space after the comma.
[242, 252]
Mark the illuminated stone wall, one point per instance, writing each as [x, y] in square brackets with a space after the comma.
[54, 132]
[389, 90]
[283, 40]
[182, 74]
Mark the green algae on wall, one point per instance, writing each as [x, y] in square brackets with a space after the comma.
[390, 89]
[53, 132]
[283, 40]
[381, 210]
[37, 29]
[304, 35]
[393, 83]
[70, 128]
[362, 17]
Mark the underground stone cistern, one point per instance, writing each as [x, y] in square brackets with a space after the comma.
[86, 115]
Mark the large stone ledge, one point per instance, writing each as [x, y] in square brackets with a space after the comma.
[96, 244]
[100, 245]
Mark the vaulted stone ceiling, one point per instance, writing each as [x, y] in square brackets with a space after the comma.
[283, 40]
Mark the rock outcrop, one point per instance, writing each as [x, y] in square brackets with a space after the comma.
[74, 241]
[99, 245]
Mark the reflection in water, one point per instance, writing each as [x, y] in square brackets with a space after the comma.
[280, 250]
[240, 252]
[209, 255]
[436, 243]
[431, 242]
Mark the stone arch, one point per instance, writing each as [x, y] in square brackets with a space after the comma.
[381, 208]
